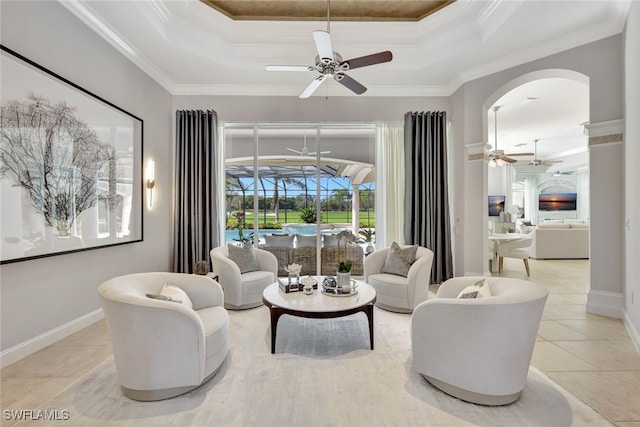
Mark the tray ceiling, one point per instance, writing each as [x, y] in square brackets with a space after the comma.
[193, 48]
[341, 10]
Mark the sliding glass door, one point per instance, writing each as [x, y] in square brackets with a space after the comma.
[292, 188]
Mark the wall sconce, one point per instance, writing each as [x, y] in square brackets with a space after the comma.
[151, 181]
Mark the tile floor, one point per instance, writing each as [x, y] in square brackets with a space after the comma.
[590, 356]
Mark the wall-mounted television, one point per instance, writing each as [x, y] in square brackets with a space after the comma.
[496, 205]
[558, 202]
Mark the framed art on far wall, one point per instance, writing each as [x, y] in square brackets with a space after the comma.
[70, 166]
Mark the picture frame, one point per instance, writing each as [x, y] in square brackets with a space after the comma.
[70, 166]
[496, 205]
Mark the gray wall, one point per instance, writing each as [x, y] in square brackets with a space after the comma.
[41, 295]
[632, 172]
[602, 62]
[315, 109]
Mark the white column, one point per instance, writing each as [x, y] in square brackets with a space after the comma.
[606, 240]
[355, 209]
[476, 215]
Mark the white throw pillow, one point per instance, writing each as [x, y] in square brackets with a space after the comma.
[177, 294]
[278, 241]
[305, 241]
[480, 289]
[330, 240]
[554, 225]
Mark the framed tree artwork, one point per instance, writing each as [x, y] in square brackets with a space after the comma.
[70, 166]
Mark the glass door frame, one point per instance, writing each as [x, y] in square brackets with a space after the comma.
[314, 126]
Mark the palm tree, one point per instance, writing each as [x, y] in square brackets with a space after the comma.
[286, 182]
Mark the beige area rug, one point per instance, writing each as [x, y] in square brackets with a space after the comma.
[323, 374]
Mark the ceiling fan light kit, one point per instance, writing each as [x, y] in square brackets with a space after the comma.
[330, 64]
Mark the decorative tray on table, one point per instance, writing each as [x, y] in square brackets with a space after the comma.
[331, 288]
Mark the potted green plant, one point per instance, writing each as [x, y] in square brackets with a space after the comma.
[367, 237]
[308, 215]
[343, 275]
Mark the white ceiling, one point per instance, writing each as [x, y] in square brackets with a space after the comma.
[189, 48]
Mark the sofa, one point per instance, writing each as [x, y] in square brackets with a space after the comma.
[302, 250]
[561, 240]
[165, 348]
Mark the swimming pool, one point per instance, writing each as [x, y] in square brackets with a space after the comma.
[302, 229]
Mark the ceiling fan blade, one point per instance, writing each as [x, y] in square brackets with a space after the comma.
[313, 86]
[289, 68]
[350, 83]
[363, 61]
[508, 159]
[519, 154]
[323, 44]
[295, 151]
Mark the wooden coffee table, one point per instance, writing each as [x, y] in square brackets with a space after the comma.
[318, 305]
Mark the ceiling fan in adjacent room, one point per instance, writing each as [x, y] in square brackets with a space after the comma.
[305, 150]
[330, 64]
[498, 157]
[537, 162]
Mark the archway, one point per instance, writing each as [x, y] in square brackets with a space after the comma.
[548, 109]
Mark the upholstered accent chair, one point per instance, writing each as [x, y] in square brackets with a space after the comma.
[164, 348]
[398, 293]
[478, 349]
[515, 249]
[243, 290]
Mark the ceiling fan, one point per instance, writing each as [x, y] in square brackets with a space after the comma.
[537, 162]
[330, 64]
[498, 157]
[305, 150]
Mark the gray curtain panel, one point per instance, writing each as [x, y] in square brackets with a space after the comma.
[196, 210]
[426, 221]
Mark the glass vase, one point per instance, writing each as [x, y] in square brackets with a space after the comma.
[294, 280]
[344, 282]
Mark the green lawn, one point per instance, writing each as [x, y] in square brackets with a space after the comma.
[326, 217]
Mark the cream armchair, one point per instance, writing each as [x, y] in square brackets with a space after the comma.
[398, 293]
[243, 290]
[161, 348]
[478, 350]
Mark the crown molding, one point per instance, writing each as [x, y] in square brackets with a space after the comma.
[294, 90]
[491, 17]
[495, 14]
[614, 25]
[611, 127]
[83, 11]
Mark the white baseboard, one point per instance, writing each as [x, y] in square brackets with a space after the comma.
[633, 332]
[17, 352]
[605, 303]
